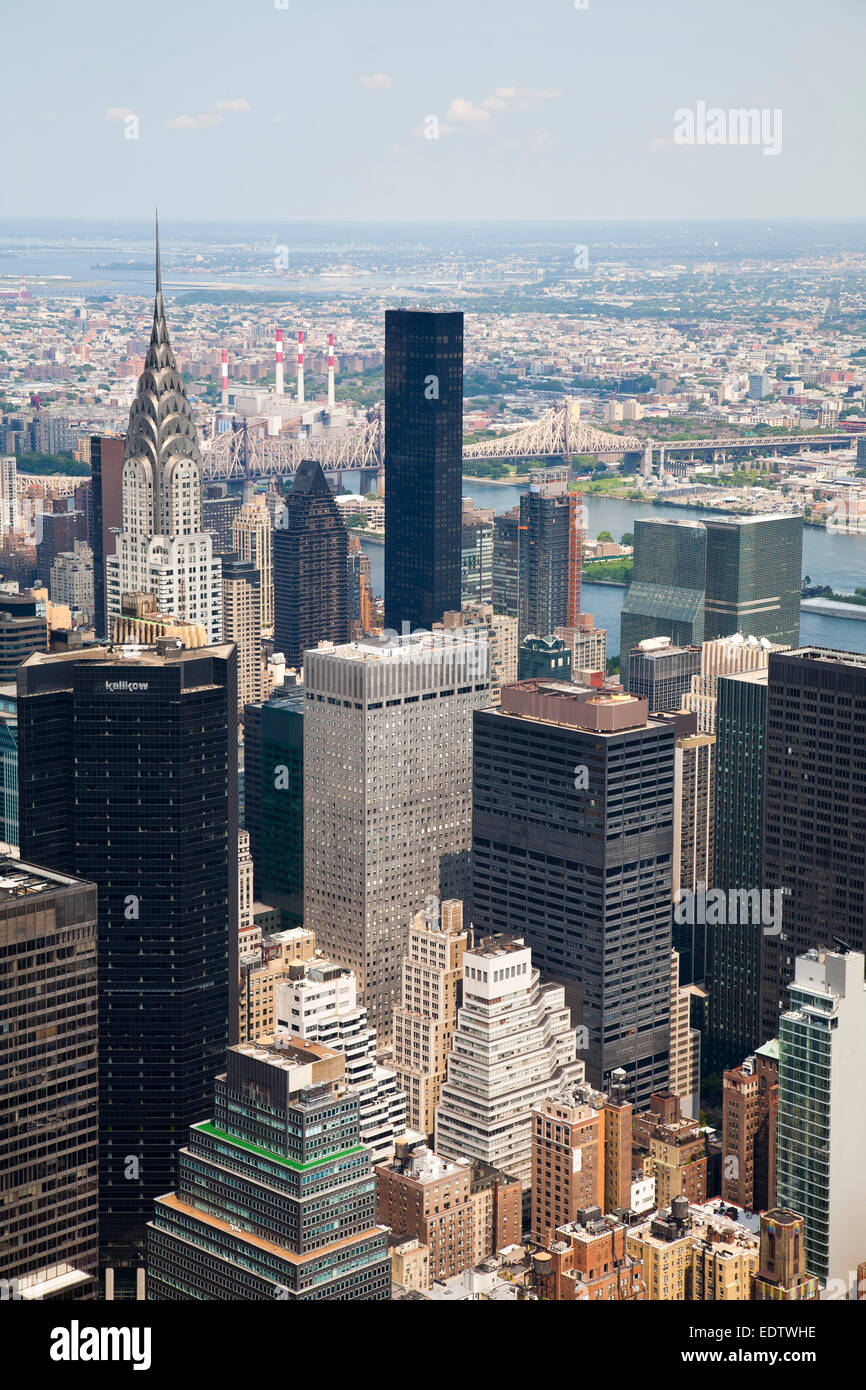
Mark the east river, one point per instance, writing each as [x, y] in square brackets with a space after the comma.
[829, 557]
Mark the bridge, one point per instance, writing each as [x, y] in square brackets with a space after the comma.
[764, 444]
[558, 433]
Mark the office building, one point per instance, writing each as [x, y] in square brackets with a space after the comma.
[23, 630]
[661, 673]
[701, 580]
[71, 582]
[127, 770]
[49, 1103]
[318, 1002]
[567, 1162]
[550, 553]
[57, 529]
[218, 516]
[106, 516]
[423, 466]
[781, 1275]
[724, 656]
[8, 767]
[476, 559]
[162, 548]
[426, 1016]
[265, 957]
[822, 1122]
[587, 644]
[760, 385]
[694, 838]
[685, 1044]
[513, 1045]
[276, 1197]
[389, 822]
[274, 799]
[734, 950]
[572, 847]
[241, 583]
[359, 591]
[547, 658]
[501, 636]
[9, 514]
[506, 561]
[750, 1102]
[814, 840]
[252, 541]
[674, 1146]
[311, 549]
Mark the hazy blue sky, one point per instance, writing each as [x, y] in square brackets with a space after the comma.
[318, 110]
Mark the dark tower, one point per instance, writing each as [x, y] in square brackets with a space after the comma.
[106, 515]
[128, 778]
[423, 466]
[311, 548]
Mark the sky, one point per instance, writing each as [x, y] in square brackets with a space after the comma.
[324, 109]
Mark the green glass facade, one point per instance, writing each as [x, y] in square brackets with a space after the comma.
[274, 801]
[666, 596]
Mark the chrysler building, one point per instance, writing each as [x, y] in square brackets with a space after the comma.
[162, 549]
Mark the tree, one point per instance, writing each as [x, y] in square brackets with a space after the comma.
[627, 538]
[605, 536]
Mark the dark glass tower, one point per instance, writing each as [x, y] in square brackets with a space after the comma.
[274, 799]
[276, 1196]
[734, 950]
[128, 777]
[814, 845]
[423, 466]
[106, 512]
[548, 589]
[506, 561]
[311, 548]
[754, 577]
[666, 595]
[572, 848]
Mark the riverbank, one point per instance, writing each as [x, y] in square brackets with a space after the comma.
[513, 480]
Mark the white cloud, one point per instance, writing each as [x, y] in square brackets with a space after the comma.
[376, 82]
[202, 122]
[235, 104]
[118, 113]
[462, 112]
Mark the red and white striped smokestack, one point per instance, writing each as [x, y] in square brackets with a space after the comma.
[330, 371]
[278, 386]
[300, 368]
[224, 374]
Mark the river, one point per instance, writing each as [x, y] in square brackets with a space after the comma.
[829, 557]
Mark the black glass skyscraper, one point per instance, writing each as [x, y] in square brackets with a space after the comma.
[274, 799]
[423, 466]
[814, 842]
[734, 949]
[128, 777]
[311, 547]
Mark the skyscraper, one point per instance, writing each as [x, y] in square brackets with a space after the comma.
[660, 672]
[242, 624]
[514, 1045]
[822, 1121]
[506, 561]
[128, 769]
[814, 814]
[252, 538]
[423, 466]
[387, 794]
[48, 1103]
[734, 950]
[276, 1197]
[696, 580]
[106, 516]
[162, 549]
[572, 843]
[311, 549]
[549, 555]
[274, 799]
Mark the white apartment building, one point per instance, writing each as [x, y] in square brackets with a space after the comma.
[513, 1046]
[318, 1002]
[387, 794]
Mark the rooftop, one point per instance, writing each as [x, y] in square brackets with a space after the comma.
[19, 879]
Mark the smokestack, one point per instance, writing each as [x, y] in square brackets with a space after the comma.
[330, 371]
[224, 371]
[300, 368]
[278, 387]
